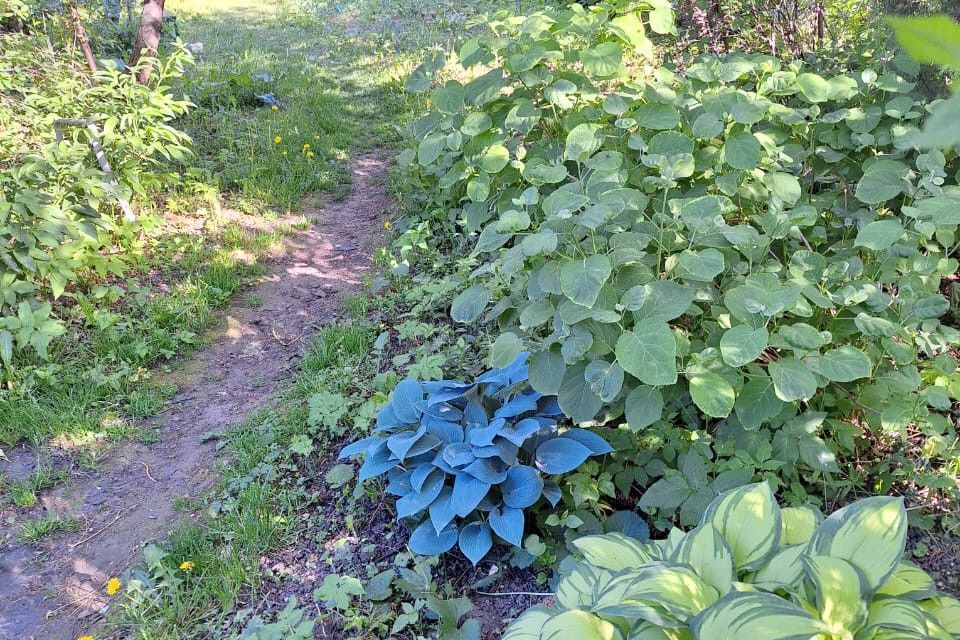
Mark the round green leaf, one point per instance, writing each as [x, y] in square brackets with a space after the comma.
[643, 407]
[743, 344]
[494, 158]
[844, 364]
[603, 59]
[581, 280]
[712, 394]
[882, 181]
[449, 98]
[583, 141]
[505, 349]
[469, 304]
[880, 235]
[649, 352]
[742, 151]
[813, 87]
[792, 380]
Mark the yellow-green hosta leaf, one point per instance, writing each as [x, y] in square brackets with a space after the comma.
[580, 625]
[748, 518]
[615, 551]
[841, 592]
[647, 631]
[755, 616]
[946, 610]
[576, 589]
[709, 555]
[870, 534]
[899, 614]
[529, 624]
[799, 523]
[909, 581]
[782, 571]
[665, 593]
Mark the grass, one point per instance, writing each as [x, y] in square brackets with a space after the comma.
[99, 377]
[32, 531]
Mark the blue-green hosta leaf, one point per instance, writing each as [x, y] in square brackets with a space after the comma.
[560, 455]
[709, 555]
[508, 524]
[581, 280]
[880, 235]
[467, 494]
[664, 593]
[603, 60]
[415, 502]
[870, 534]
[469, 304]
[583, 141]
[649, 352]
[792, 380]
[911, 582]
[742, 151]
[737, 616]
[748, 518]
[712, 394]
[441, 511]
[844, 364]
[596, 444]
[522, 487]
[475, 541]
[580, 625]
[841, 591]
[425, 540]
[615, 551]
[882, 181]
[799, 524]
[741, 344]
[643, 407]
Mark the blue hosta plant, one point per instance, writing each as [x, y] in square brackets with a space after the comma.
[466, 459]
[752, 570]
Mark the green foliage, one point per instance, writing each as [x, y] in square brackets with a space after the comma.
[59, 215]
[749, 236]
[751, 569]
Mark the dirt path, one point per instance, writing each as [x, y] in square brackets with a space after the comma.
[54, 590]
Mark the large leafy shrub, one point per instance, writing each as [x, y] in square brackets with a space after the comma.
[467, 459]
[59, 215]
[751, 570]
[750, 236]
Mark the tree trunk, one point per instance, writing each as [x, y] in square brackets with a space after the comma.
[148, 36]
[82, 36]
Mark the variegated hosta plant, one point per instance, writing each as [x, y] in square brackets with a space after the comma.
[752, 571]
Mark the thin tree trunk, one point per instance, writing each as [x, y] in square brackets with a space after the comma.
[82, 36]
[148, 36]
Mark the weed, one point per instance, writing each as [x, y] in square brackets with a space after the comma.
[32, 531]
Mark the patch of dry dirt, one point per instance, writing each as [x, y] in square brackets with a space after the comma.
[54, 590]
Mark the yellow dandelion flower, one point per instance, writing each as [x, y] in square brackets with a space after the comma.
[277, 139]
[274, 108]
[306, 145]
[85, 638]
[186, 565]
[309, 154]
[386, 224]
[113, 585]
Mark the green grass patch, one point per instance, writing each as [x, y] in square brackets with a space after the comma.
[35, 530]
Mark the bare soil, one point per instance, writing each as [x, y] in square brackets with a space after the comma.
[55, 589]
